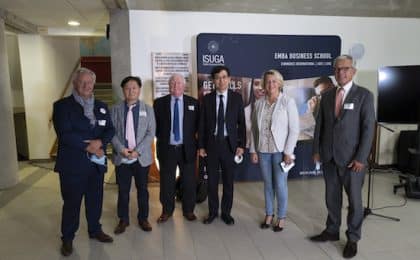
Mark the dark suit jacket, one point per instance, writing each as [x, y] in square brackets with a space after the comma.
[73, 128]
[234, 120]
[162, 108]
[348, 137]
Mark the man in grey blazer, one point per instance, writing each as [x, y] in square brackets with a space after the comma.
[343, 138]
[135, 126]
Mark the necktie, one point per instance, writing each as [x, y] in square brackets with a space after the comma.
[338, 101]
[220, 120]
[175, 127]
[129, 129]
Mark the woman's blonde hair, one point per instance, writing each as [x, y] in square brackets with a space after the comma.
[274, 73]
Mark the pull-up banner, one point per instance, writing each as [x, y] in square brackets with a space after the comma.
[299, 58]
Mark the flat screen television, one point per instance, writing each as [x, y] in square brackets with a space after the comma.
[399, 94]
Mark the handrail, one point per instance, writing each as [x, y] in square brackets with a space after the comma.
[66, 88]
[68, 83]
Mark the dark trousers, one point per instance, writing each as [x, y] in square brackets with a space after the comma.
[219, 154]
[87, 184]
[167, 181]
[124, 173]
[336, 177]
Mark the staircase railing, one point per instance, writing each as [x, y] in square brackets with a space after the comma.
[63, 93]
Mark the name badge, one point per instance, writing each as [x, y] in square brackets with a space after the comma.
[102, 122]
[142, 113]
[191, 108]
[349, 106]
[102, 110]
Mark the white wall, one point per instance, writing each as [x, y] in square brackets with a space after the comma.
[46, 64]
[387, 41]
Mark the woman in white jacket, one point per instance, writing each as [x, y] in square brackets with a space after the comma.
[275, 131]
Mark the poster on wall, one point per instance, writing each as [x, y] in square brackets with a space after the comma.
[164, 64]
[301, 59]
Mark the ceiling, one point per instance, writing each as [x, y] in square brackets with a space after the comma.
[51, 16]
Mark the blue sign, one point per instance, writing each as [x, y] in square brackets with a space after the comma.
[301, 59]
[249, 55]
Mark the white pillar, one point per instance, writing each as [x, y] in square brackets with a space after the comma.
[8, 154]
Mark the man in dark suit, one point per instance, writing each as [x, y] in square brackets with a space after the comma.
[221, 138]
[176, 132]
[83, 126]
[342, 142]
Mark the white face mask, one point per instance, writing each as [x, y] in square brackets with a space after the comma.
[318, 91]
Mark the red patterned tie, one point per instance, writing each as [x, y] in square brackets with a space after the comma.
[338, 101]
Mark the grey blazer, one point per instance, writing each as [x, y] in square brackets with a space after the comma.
[348, 137]
[144, 137]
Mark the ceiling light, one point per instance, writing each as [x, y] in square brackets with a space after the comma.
[73, 23]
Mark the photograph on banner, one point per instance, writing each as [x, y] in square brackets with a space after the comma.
[300, 59]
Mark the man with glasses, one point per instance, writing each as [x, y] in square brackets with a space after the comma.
[221, 139]
[343, 138]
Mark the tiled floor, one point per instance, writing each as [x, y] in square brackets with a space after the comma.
[30, 220]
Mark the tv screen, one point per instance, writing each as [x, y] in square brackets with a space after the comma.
[399, 94]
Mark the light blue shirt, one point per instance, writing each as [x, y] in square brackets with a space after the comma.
[225, 100]
[181, 119]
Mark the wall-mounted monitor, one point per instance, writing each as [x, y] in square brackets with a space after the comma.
[399, 94]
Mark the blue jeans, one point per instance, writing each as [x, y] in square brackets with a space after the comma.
[275, 183]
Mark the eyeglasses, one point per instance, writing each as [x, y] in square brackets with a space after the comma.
[344, 69]
[221, 77]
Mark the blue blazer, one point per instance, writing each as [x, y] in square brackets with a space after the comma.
[73, 128]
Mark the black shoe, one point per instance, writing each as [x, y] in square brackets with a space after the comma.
[350, 249]
[209, 219]
[102, 237]
[325, 236]
[67, 248]
[266, 224]
[279, 226]
[228, 219]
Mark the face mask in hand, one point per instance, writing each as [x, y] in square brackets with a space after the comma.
[98, 160]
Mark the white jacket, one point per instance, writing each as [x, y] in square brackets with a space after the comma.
[284, 124]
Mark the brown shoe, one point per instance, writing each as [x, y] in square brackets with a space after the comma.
[163, 218]
[190, 216]
[67, 248]
[102, 237]
[145, 225]
[120, 228]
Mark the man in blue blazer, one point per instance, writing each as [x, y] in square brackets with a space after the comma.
[176, 132]
[84, 128]
[221, 138]
[343, 138]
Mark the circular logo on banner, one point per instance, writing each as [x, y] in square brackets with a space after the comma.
[213, 46]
